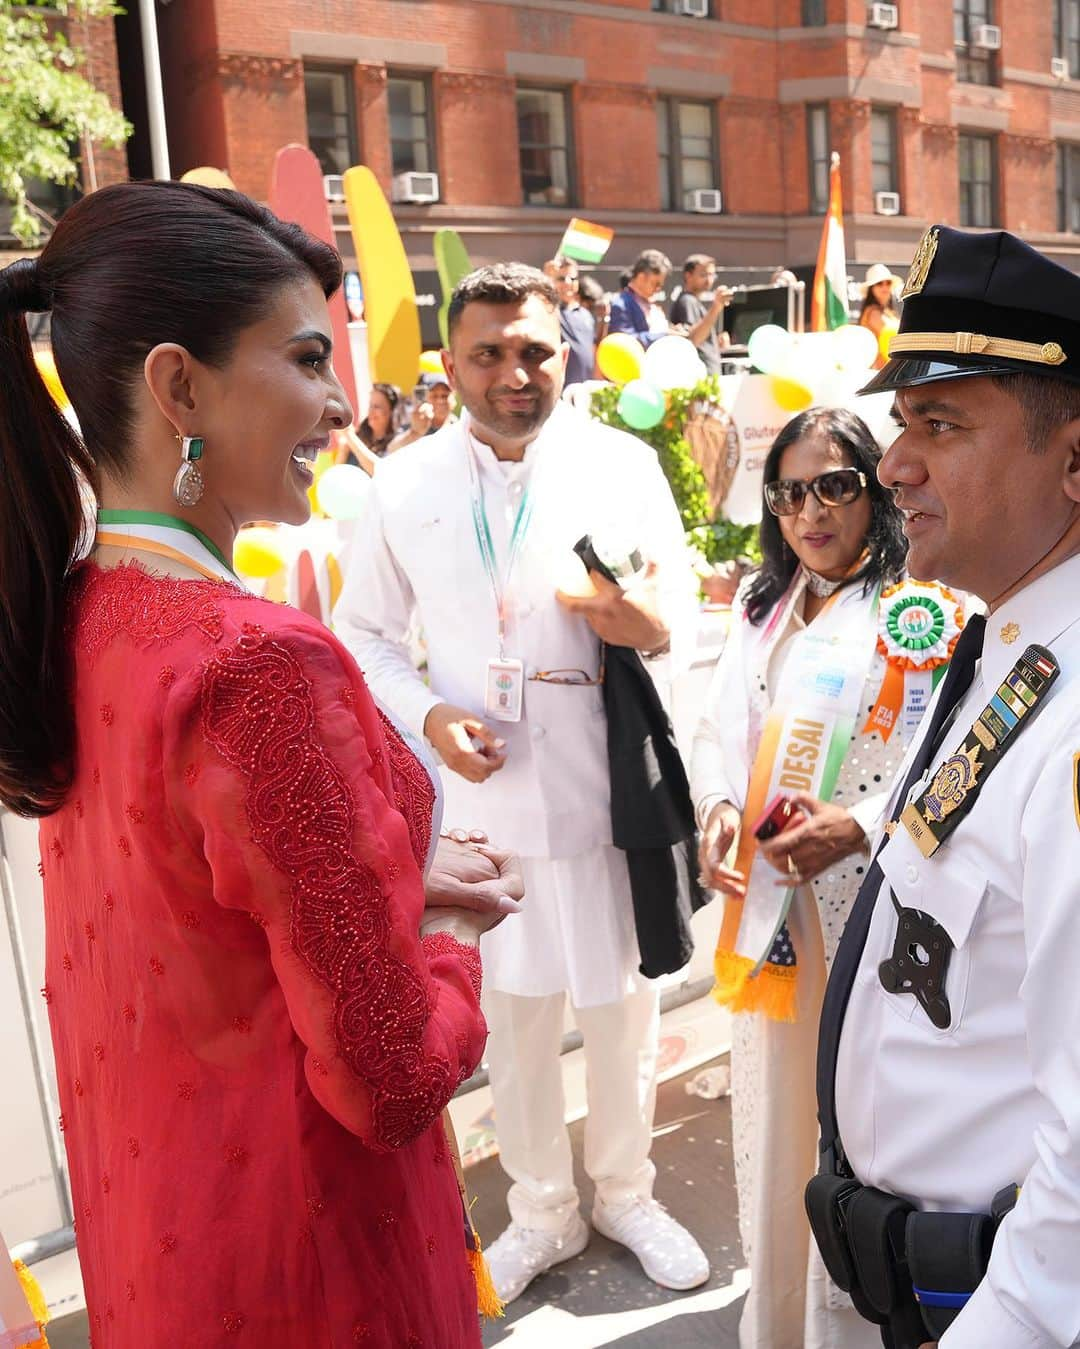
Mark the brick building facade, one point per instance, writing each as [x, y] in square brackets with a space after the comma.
[616, 109]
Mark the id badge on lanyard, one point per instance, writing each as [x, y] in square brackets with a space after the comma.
[504, 689]
[504, 683]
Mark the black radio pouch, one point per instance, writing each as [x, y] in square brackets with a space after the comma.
[947, 1254]
[827, 1199]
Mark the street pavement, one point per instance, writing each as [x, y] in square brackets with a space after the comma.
[602, 1297]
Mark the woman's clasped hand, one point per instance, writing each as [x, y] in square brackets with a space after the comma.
[470, 884]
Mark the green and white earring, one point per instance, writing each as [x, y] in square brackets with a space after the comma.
[188, 484]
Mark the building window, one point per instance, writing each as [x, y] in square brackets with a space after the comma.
[686, 144]
[978, 180]
[813, 13]
[1067, 33]
[884, 175]
[412, 148]
[974, 65]
[1068, 185]
[544, 147]
[676, 7]
[817, 149]
[331, 127]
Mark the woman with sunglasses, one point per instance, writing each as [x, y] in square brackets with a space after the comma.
[791, 731]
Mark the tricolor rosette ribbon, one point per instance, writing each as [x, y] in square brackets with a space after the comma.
[919, 624]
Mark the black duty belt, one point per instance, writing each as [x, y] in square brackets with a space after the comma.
[909, 1272]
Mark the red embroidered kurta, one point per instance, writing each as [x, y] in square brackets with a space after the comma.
[253, 1046]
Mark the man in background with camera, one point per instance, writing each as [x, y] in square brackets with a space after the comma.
[432, 408]
[699, 308]
[473, 533]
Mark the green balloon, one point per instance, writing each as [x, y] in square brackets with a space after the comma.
[641, 404]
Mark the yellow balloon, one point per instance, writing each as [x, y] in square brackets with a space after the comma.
[789, 394]
[47, 370]
[431, 363]
[206, 176]
[257, 553]
[620, 356]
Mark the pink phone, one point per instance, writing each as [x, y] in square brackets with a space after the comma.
[777, 816]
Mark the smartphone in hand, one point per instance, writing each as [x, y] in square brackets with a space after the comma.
[777, 816]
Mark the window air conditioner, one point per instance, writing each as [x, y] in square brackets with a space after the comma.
[419, 188]
[987, 37]
[1059, 68]
[704, 199]
[333, 187]
[693, 9]
[884, 16]
[887, 203]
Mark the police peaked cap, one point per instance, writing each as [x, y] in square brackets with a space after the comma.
[983, 304]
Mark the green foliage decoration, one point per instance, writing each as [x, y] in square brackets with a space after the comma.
[716, 540]
[46, 106]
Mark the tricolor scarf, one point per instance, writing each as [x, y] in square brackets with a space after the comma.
[805, 740]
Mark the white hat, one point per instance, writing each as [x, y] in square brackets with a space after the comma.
[878, 273]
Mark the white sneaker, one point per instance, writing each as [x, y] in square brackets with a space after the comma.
[669, 1255]
[519, 1254]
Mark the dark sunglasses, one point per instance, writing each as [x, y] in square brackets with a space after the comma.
[838, 487]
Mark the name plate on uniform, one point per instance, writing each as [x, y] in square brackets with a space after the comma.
[932, 816]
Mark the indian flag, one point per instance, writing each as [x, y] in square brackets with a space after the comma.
[585, 241]
[828, 308]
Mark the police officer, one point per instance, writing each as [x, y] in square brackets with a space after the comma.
[948, 1201]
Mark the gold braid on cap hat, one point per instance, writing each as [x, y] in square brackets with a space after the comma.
[977, 344]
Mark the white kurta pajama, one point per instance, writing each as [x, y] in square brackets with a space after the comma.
[791, 1304]
[415, 552]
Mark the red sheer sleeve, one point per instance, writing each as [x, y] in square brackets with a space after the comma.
[284, 781]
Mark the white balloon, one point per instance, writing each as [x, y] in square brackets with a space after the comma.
[341, 491]
[856, 347]
[807, 362]
[768, 347]
[673, 363]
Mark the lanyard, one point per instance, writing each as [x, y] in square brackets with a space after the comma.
[482, 528]
[165, 535]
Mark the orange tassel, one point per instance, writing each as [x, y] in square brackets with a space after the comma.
[487, 1299]
[771, 991]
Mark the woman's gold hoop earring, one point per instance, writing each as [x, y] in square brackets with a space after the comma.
[188, 484]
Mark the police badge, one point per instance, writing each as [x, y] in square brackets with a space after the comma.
[951, 784]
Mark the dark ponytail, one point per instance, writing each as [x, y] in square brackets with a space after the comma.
[127, 268]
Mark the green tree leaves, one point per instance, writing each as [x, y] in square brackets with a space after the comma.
[47, 107]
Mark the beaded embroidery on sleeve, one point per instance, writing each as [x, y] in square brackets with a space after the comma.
[259, 714]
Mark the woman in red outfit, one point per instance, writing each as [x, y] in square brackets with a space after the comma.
[257, 1020]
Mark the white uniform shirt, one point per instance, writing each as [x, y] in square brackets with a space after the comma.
[415, 552]
[946, 1118]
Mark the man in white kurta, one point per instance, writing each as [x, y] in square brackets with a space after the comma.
[521, 465]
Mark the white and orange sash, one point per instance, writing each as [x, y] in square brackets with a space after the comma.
[803, 745]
